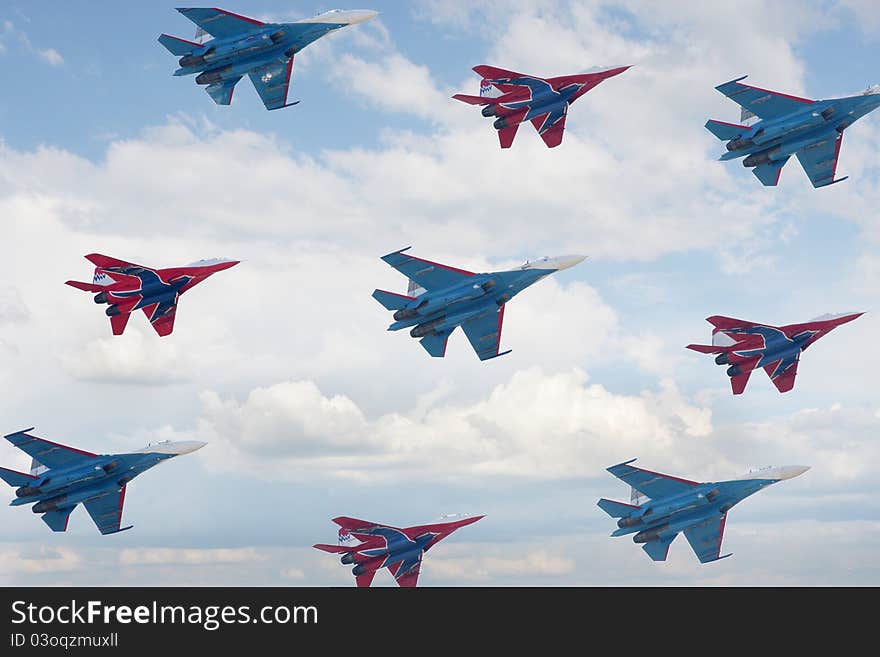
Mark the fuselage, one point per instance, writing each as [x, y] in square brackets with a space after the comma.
[775, 139]
[222, 59]
[60, 488]
[478, 295]
[664, 517]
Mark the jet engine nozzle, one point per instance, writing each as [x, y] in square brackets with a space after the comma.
[504, 298]
[196, 60]
[724, 509]
[712, 495]
[26, 491]
[360, 569]
[209, 77]
[757, 159]
[734, 370]
[110, 467]
[722, 359]
[630, 521]
[290, 52]
[501, 123]
[489, 110]
[739, 144]
[424, 329]
[488, 285]
[48, 505]
[827, 113]
[112, 311]
[101, 297]
[648, 535]
[347, 558]
[191, 60]
[404, 313]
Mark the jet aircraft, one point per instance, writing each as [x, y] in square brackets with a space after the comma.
[383, 546]
[676, 505]
[544, 102]
[810, 129]
[264, 51]
[126, 287]
[746, 346]
[455, 297]
[62, 477]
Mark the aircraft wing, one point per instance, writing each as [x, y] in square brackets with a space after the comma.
[364, 580]
[406, 573]
[221, 92]
[50, 454]
[705, 538]
[551, 126]
[784, 380]
[106, 511]
[352, 525]
[652, 484]
[105, 262]
[763, 103]
[220, 23]
[161, 317]
[484, 334]
[57, 520]
[658, 549]
[272, 82]
[429, 275]
[493, 73]
[820, 160]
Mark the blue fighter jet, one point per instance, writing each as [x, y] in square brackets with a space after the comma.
[61, 477]
[264, 51]
[442, 298]
[789, 125]
[676, 505]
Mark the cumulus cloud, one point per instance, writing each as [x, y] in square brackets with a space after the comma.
[537, 425]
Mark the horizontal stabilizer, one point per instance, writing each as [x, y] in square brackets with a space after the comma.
[221, 92]
[616, 509]
[706, 348]
[16, 479]
[92, 287]
[436, 344]
[769, 173]
[658, 550]
[336, 549]
[391, 300]
[475, 100]
[178, 46]
[726, 131]
[57, 520]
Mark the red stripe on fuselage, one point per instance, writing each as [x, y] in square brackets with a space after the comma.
[666, 476]
[121, 502]
[72, 449]
[234, 15]
[781, 95]
[287, 83]
[500, 321]
[437, 264]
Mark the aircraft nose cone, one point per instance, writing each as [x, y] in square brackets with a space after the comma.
[564, 262]
[792, 471]
[187, 446]
[356, 16]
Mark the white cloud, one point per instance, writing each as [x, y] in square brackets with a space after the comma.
[52, 56]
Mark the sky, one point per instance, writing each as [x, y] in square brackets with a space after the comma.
[282, 364]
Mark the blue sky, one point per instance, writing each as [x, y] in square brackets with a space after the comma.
[312, 410]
